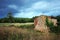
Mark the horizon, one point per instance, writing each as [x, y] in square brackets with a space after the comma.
[29, 8]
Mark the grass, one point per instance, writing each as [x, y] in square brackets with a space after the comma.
[18, 25]
[26, 26]
[24, 31]
[15, 24]
[13, 33]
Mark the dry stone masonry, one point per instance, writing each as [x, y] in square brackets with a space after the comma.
[40, 23]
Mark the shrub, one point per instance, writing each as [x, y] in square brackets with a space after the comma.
[51, 26]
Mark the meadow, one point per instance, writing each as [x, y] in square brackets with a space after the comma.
[15, 24]
[24, 31]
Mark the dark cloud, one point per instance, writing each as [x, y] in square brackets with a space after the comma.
[27, 5]
[4, 6]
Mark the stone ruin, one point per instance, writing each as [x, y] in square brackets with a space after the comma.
[40, 23]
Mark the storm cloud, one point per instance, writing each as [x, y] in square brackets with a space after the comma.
[29, 8]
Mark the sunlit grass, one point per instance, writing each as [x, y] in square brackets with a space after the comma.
[15, 24]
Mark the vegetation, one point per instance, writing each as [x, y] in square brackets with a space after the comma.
[54, 29]
[27, 26]
[12, 33]
[58, 23]
[21, 29]
[34, 17]
[10, 19]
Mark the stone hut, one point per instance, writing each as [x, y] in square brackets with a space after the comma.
[40, 23]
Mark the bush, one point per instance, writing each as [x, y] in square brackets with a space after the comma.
[51, 26]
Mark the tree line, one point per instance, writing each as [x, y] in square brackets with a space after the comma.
[10, 19]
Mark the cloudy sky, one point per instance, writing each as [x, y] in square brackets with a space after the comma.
[29, 8]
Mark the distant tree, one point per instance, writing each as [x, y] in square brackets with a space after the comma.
[10, 17]
[34, 17]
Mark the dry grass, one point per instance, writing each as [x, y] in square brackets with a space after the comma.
[15, 24]
[12, 33]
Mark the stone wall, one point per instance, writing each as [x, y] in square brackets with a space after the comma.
[40, 23]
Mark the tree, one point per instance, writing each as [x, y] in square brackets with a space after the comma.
[34, 17]
[10, 17]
